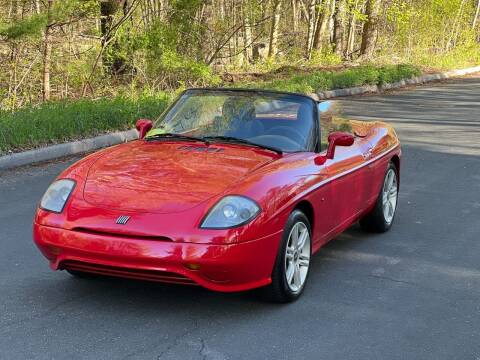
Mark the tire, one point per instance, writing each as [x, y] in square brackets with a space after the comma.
[288, 284]
[381, 218]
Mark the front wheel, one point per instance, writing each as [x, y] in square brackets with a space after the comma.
[293, 261]
[380, 219]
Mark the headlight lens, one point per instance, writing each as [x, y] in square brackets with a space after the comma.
[231, 211]
[57, 195]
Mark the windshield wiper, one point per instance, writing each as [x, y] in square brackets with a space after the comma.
[234, 140]
[208, 139]
[175, 137]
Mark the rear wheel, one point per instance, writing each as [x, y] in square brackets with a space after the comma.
[292, 265]
[380, 219]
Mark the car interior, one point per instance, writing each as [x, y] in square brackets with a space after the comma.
[288, 126]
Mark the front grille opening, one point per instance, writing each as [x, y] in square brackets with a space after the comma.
[120, 235]
[138, 274]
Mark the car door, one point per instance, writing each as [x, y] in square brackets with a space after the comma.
[348, 182]
[349, 175]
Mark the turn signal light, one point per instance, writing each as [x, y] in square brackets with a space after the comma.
[192, 266]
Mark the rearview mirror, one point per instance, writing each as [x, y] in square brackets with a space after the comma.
[338, 139]
[335, 139]
[143, 126]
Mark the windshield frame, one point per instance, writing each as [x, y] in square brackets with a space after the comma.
[314, 142]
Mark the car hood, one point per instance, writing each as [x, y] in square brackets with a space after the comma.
[166, 177]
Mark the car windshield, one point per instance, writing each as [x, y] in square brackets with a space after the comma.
[272, 120]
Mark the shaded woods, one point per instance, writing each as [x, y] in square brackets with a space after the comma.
[58, 49]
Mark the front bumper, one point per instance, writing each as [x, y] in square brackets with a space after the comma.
[232, 267]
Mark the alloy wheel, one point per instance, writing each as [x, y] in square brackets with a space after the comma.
[389, 196]
[297, 256]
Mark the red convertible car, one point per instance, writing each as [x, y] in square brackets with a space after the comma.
[230, 189]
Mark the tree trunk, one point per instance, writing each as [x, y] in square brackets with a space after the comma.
[221, 8]
[294, 16]
[370, 28]
[351, 38]
[331, 27]
[272, 48]
[351, 32]
[311, 28]
[233, 40]
[457, 25]
[475, 19]
[339, 27]
[108, 9]
[47, 55]
[322, 23]
[37, 6]
[248, 38]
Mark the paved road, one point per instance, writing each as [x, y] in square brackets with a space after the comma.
[413, 293]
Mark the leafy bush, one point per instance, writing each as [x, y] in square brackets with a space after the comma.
[394, 73]
[30, 27]
[328, 80]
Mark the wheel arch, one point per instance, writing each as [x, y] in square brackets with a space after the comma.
[306, 207]
[396, 161]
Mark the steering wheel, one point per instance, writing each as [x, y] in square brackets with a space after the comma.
[288, 132]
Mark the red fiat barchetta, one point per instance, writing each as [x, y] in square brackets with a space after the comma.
[230, 189]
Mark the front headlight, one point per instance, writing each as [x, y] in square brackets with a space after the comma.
[230, 212]
[57, 195]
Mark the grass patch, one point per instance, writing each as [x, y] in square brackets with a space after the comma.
[457, 58]
[57, 122]
[329, 80]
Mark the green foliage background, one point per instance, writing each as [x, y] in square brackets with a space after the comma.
[108, 70]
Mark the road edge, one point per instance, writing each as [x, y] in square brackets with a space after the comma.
[85, 145]
[65, 149]
[423, 79]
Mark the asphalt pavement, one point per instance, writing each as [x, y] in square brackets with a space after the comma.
[412, 293]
